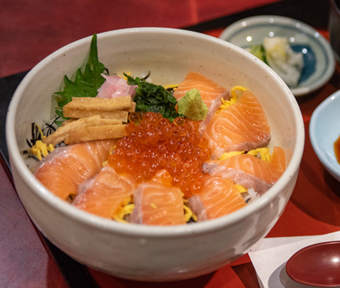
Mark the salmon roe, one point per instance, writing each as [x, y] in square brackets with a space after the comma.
[153, 143]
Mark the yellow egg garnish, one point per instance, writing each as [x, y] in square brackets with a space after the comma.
[41, 150]
[263, 152]
[231, 154]
[227, 103]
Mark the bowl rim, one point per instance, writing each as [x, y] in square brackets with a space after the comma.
[318, 148]
[299, 26]
[136, 229]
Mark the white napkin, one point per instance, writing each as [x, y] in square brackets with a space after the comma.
[270, 255]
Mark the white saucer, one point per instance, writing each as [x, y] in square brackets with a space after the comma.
[317, 51]
[324, 130]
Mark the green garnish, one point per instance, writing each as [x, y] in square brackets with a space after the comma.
[154, 98]
[259, 52]
[192, 106]
[85, 83]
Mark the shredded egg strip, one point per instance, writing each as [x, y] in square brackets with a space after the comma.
[40, 149]
[241, 189]
[261, 153]
[188, 214]
[125, 209]
[264, 153]
[171, 86]
[226, 103]
[231, 154]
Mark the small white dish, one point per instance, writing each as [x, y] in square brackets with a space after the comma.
[318, 56]
[324, 130]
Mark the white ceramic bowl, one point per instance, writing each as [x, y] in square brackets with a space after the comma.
[136, 251]
[324, 130]
[315, 48]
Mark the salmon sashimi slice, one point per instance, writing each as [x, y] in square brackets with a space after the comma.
[63, 170]
[103, 194]
[250, 171]
[242, 126]
[158, 203]
[209, 89]
[218, 198]
[211, 92]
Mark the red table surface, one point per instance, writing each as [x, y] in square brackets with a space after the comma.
[28, 37]
[313, 209]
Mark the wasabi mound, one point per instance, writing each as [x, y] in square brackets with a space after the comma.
[192, 106]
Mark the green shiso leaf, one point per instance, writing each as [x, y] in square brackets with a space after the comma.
[153, 98]
[85, 83]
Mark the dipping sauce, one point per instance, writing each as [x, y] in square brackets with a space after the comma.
[337, 149]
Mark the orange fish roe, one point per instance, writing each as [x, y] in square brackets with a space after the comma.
[153, 143]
